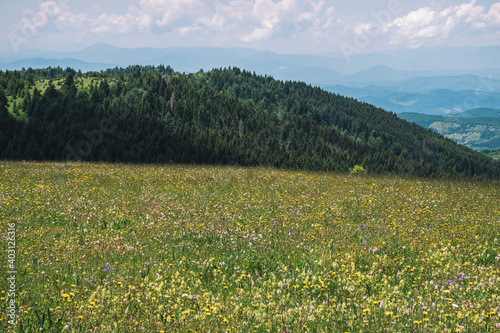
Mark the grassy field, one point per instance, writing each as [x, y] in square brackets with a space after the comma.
[494, 154]
[122, 248]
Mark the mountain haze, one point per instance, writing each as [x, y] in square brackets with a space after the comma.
[422, 80]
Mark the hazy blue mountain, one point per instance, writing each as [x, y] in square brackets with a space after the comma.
[457, 82]
[381, 73]
[184, 59]
[426, 61]
[312, 75]
[439, 60]
[435, 80]
[479, 113]
[63, 63]
[437, 101]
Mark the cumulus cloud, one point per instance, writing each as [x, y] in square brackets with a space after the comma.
[169, 11]
[430, 25]
[252, 20]
[134, 20]
[285, 17]
[60, 15]
[67, 20]
[226, 17]
[270, 21]
[246, 20]
[415, 26]
[256, 20]
[493, 16]
[48, 13]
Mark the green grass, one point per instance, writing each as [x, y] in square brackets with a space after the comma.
[494, 154]
[21, 115]
[42, 85]
[176, 248]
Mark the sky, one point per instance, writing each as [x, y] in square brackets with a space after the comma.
[281, 26]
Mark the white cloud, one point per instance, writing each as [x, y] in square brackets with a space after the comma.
[493, 15]
[286, 17]
[468, 12]
[49, 12]
[134, 20]
[429, 25]
[365, 28]
[170, 11]
[68, 20]
[272, 24]
[232, 16]
[415, 25]
[256, 20]
[238, 20]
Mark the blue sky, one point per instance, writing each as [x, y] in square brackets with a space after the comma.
[282, 26]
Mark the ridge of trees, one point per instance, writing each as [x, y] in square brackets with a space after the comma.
[152, 114]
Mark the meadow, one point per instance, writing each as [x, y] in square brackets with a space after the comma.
[176, 248]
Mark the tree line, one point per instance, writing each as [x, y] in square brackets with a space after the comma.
[149, 114]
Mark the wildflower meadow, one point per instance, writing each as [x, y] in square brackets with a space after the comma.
[177, 248]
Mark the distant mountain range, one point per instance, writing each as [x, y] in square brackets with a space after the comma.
[437, 80]
[436, 101]
[63, 63]
[478, 129]
[419, 62]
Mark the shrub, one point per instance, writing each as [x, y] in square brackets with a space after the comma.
[357, 169]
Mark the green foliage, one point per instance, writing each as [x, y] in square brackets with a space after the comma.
[357, 169]
[494, 154]
[225, 116]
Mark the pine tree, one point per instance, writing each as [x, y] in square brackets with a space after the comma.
[69, 86]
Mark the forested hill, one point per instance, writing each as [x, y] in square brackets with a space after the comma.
[225, 116]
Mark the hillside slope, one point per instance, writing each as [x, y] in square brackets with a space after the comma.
[478, 129]
[225, 116]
